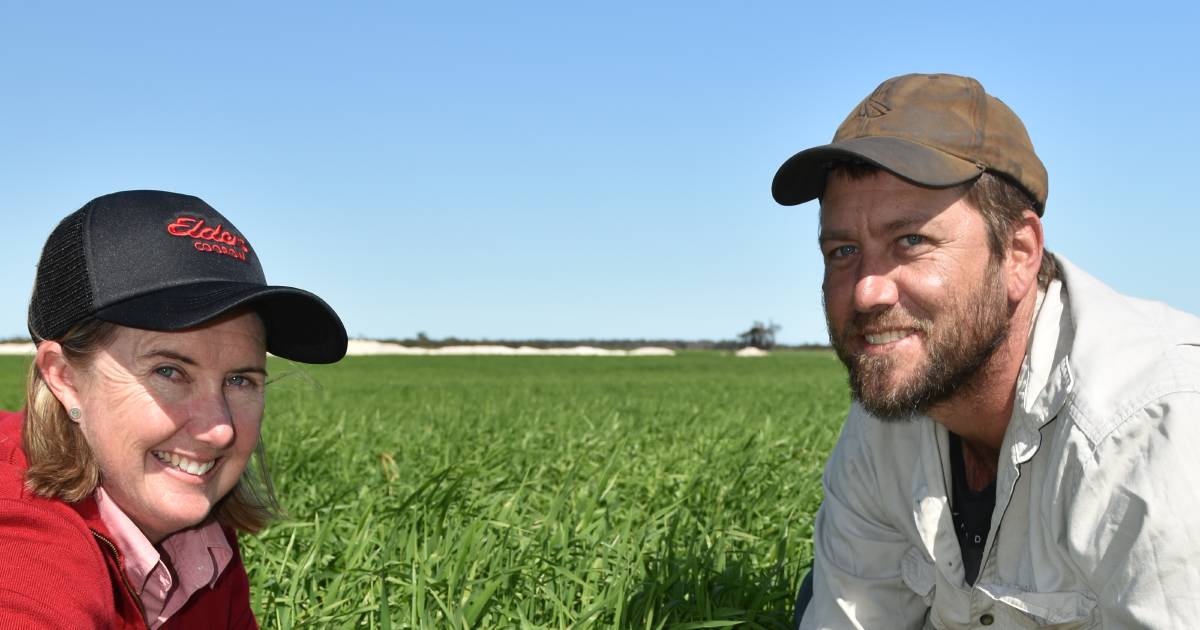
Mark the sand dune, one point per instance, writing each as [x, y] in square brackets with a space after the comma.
[364, 347]
[359, 347]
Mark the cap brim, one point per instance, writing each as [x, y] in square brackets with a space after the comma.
[300, 326]
[802, 176]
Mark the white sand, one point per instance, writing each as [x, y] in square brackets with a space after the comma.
[652, 351]
[364, 347]
[751, 351]
[358, 347]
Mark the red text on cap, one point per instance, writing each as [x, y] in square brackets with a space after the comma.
[228, 243]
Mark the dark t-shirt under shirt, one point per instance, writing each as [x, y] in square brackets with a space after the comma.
[972, 512]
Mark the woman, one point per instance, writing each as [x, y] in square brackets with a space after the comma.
[125, 479]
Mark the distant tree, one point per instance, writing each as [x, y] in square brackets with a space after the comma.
[760, 336]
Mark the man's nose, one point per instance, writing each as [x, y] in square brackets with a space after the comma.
[875, 289]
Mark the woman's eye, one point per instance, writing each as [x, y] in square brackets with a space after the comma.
[238, 380]
[166, 371]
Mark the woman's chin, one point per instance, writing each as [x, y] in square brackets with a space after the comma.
[178, 500]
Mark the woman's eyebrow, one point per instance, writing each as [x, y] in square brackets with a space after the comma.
[168, 354]
[183, 358]
[255, 370]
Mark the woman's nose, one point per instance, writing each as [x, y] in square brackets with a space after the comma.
[211, 421]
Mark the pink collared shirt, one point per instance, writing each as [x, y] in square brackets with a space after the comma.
[195, 559]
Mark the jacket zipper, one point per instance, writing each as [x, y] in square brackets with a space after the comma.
[120, 565]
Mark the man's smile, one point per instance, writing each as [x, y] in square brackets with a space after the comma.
[887, 336]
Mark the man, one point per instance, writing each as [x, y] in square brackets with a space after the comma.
[1022, 447]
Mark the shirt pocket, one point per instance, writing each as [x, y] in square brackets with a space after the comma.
[918, 574]
[1063, 610]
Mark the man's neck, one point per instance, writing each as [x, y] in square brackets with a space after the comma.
[980, 412]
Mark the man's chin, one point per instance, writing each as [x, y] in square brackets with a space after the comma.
[888, 409]
[884, 394]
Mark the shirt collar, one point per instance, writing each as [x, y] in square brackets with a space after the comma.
[1045, 379]
[139, 554]
[197, 556]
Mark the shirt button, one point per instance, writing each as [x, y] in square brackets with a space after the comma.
[986, 619]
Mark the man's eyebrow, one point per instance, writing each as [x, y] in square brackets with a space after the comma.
[895, 225]
[833, 235]
[904, 223]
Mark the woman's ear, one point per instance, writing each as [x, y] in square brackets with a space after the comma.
[58, 375]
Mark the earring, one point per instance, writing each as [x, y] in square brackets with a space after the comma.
[75, 413]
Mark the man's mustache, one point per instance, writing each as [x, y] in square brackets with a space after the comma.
[891, 319]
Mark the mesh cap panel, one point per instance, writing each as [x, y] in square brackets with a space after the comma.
[63, 292]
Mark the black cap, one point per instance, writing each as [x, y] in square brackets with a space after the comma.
[165, 261]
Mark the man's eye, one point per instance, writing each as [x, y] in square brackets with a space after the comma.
[912, 240]
[842, 251]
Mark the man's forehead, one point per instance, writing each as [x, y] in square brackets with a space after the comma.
[883, 204]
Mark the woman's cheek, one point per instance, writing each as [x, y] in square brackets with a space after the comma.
[248, 414]
[166, 391]
[249, 402]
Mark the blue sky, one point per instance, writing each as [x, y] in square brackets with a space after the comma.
[572, 170]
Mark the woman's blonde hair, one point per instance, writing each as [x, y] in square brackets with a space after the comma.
[61, 464]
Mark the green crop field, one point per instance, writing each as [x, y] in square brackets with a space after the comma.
[539, 492]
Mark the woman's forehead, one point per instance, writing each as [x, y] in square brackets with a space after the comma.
[240, 335]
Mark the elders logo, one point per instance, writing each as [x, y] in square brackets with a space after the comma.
[215, 239]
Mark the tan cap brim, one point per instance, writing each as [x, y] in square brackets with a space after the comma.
[802, 176]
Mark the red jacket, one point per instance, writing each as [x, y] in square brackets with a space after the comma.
[60, 569]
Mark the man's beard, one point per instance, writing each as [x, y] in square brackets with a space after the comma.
[958, 345]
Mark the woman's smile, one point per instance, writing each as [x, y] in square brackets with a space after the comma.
[193, 467]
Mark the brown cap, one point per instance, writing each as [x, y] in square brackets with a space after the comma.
[936, 130]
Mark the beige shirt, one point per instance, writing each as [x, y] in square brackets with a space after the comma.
[1097, 518]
